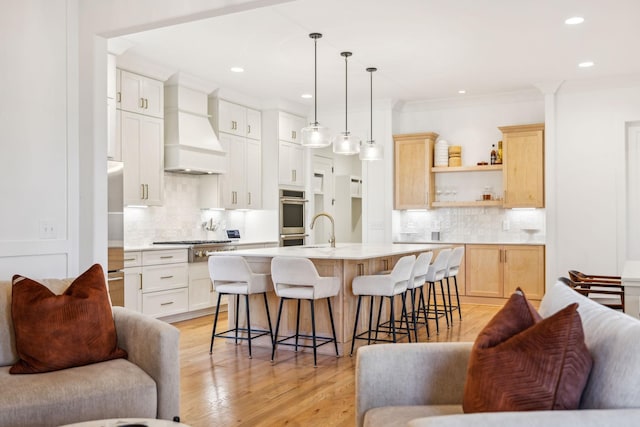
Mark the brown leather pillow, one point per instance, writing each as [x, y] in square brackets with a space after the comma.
[55, 332]
[521, 362]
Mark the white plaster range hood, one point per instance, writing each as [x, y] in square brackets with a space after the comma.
[190, 144]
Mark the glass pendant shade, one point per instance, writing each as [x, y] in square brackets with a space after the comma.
[345, 142]
[370, 150]
[315, 135]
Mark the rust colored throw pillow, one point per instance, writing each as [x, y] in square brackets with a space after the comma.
[521, 362]
[55, 332]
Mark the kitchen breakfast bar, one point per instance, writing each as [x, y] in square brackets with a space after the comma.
[346, 261]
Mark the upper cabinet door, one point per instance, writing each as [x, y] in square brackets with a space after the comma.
[290, 127]
[142, 95]
[231, 118]
[414, 183]
[254, 125]
[523, 166]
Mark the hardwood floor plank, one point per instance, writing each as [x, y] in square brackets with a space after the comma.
[227, 388]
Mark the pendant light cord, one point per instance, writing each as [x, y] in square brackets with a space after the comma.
[315, 81]
[371, 106]
[346, 126]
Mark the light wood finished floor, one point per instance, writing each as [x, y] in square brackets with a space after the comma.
[229, 389]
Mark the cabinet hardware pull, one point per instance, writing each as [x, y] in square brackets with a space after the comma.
[295, 175]
[505, 256]
[146, 103]
[166, 256]
[293, 134]
[142, 191]
[167, 303]
[141, 103]
[248, 129]
[146, 187]
[129, 259]
[386, 264]
[166, 277]
[427, 198]
[360, 269]
[118, 97]
[249, 198]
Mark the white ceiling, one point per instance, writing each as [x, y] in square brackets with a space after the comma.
[423, 49]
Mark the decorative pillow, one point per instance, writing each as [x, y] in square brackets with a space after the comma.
[521, 362]
[55, 332]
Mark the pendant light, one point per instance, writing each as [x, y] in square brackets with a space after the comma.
[345, 143]
[315, 135]
[370, 150]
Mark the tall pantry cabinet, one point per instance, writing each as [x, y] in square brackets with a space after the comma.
[141, 110]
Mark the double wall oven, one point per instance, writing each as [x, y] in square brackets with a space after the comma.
[292, 217]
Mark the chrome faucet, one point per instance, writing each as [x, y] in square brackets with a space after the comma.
[332, 238]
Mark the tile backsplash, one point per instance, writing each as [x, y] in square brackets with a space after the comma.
[180, 218]
[471, 225]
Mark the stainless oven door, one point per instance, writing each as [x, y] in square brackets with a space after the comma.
[292, 239]
[292, 213]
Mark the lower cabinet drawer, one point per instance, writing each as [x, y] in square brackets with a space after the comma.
[165, 303]
[163, 277]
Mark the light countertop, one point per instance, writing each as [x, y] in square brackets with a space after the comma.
[350, 251]
[475, 242]
[152, 247]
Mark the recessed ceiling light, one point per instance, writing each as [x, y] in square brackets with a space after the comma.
[574, 20]
[237, 69]
[306, 96]
[462, 91]
[586, 64]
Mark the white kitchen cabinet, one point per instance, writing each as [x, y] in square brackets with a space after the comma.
[241, 185]
[165, 282]
[291, 170]
[142, 95]
[348, 208]
[290, 127]
[201, 293]
[133, 280]
[236, 119]
[142, 154]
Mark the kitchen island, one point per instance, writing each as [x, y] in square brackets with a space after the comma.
[345, 261]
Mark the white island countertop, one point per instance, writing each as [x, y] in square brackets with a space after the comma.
[351, 251]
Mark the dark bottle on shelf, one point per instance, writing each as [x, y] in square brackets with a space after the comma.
[494, 155]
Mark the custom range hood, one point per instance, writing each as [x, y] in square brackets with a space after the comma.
[190, 144]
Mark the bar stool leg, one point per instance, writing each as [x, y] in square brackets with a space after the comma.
[313, 332]
[444, 302]
[432, 288]
[378, 322]
[333, 328]
[355, 326]
[237, 312]
[392, 318]
[246, 300]
[455, 283]
[275, 337]
[424, 310]
[372, 302]
[297, 325]
[266, 307]
[215, 323]
[450, 305]
[404, 310]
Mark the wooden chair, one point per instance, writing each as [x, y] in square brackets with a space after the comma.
[609, 294]
[580, 277]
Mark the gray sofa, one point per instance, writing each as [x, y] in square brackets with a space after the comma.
[421, 384]
[146, 385]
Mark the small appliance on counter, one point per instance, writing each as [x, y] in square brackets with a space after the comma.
[233, 234]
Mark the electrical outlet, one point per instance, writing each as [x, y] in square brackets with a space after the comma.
[47, 230]
[505, 225]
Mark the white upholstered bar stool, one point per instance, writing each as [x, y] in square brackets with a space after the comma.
[231, 275]
[435, 274]
[415, 287]
[382, 285]
[297, 278]
[452, 271]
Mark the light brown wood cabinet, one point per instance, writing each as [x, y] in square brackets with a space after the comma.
[414, 183]
[497, 270]
[523, 165]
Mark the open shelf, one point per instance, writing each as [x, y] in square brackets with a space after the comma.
[484, 168]
[470, 203]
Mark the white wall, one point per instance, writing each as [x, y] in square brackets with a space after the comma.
[591, 187]
[37, 139]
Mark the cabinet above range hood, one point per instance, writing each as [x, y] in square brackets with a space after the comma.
[190, 146]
